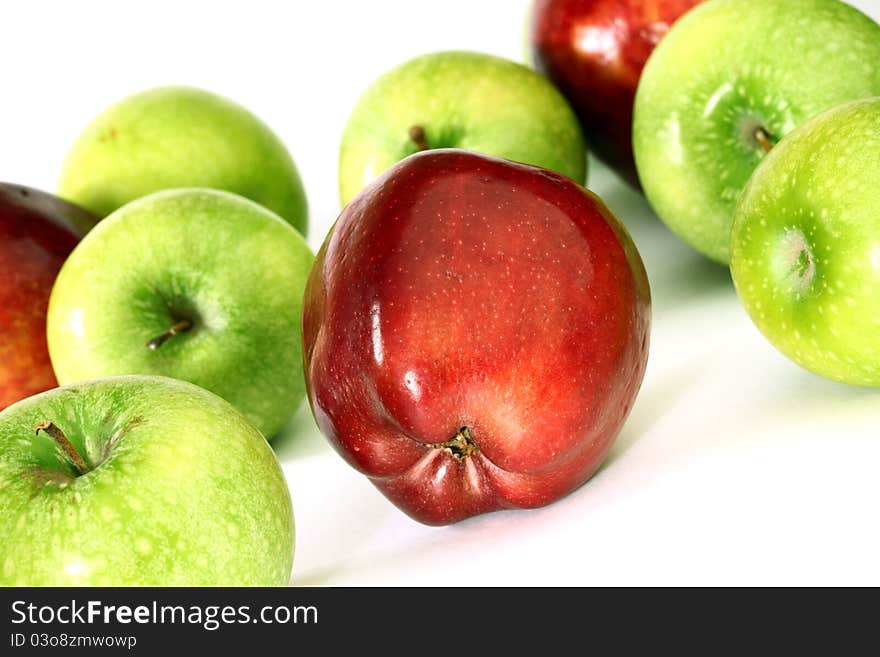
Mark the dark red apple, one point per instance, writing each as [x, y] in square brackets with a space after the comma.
[475, 333]
[37, 232]
[594, 51]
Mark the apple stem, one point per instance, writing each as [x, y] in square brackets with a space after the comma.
[181, 327]
[417, 136]
[764, 139]
[66, 446]
[461, 445]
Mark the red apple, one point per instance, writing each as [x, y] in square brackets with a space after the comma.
[37, 232]
[475, 334]
[595, 50]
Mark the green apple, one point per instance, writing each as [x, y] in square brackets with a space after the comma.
[181, 137]
[805, 245]
[460, 100]
[199, 285]
[139, 481]
[729, 81]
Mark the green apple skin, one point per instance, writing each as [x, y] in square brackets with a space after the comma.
[181, 491]
[181, 137]
[725, 69]
[233, 269]
[805, 244]
[463, 100]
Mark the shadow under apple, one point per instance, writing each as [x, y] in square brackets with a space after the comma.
[679, 276]
[300, 437]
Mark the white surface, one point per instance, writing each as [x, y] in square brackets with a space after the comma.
[735, 467]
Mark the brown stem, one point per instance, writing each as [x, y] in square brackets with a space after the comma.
[66, 446]
[181, 327]
[417, 136]
[764, 139]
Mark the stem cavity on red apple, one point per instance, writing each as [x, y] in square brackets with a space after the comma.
[56, 434]
[182, 326]
[460, 446]
[417, 136]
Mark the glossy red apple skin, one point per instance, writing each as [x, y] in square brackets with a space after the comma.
[37, 232]
[463, 291]
[594, 51]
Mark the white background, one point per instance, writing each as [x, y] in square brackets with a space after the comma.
[735, 467]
